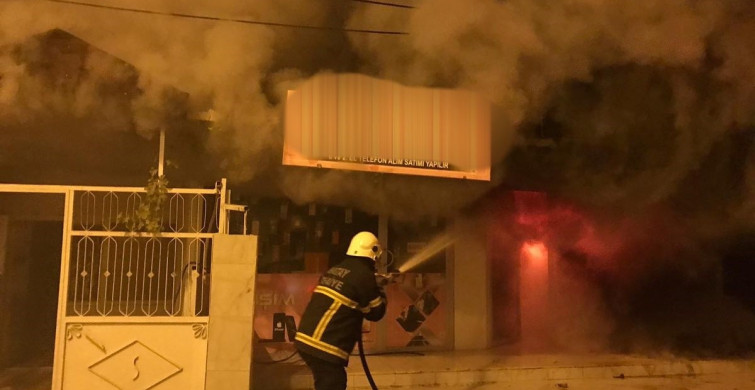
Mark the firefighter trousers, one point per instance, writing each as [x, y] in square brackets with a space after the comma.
[328, 375]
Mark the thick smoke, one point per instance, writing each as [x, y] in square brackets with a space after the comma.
[225, 67]
[646, 112]
[662, 80]
[636, 107]
[641, 90]
[640, 93]
[401, 197]
[648, 283]
[644, 116]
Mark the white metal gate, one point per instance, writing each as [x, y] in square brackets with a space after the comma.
[133, 308]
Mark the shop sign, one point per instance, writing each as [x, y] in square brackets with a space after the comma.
[356, 122]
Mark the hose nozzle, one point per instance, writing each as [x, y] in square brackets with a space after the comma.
[385, 279]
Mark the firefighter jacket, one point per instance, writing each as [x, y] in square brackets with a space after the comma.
[332, 322]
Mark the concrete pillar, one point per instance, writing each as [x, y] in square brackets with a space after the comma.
[471, 300]
[229, 342]
[382, 235]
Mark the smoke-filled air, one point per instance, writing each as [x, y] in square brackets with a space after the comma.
[636, 117]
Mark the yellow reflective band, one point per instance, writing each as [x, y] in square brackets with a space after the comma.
[335, 295]
[376, 302]
[327, 348]
[373, 304]
[326, 319]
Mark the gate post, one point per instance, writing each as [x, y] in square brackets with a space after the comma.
[60, 332]
[229, 349]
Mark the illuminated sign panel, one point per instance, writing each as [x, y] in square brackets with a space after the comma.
[355, 122]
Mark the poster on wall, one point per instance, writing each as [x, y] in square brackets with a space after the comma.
[356, 122]
[416, 315]
[279, 303]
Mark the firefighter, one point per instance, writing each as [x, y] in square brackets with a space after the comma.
[332, 322]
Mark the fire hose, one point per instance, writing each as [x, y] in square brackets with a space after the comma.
[385, 278]
[382, 279]
[360, 344]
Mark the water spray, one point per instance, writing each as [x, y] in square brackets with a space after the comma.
[431, 249]
[438, 244]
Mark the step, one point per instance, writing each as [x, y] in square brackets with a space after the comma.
[468, 370]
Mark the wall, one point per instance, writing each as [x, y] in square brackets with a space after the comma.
[471, 278]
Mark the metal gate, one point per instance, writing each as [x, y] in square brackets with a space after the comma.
[133, 308]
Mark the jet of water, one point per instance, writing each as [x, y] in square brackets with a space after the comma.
[438, 244]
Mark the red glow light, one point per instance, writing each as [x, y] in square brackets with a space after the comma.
[532, 209]
[535, 252]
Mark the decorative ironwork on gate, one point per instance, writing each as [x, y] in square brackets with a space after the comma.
[116, 272]
[130, 292]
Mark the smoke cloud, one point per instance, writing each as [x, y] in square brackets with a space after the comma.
[651, 283]
[225, 67]
[638, 93]
[635, 107]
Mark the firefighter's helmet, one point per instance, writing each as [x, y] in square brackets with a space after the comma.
[365, 244]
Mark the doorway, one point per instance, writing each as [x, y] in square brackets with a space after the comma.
[31, 235]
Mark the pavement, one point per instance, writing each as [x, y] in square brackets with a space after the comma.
[26, 378]
[493, 369]
[489, 370]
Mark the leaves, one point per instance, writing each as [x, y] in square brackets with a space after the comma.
[147, 218]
